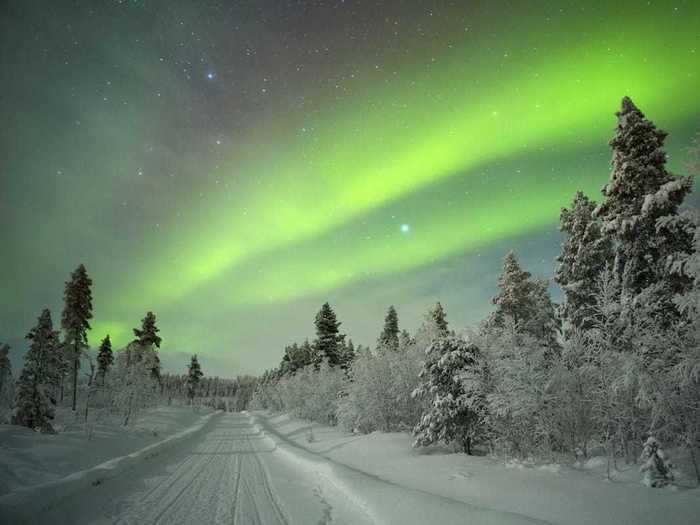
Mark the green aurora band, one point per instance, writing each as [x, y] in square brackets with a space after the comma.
[275, 241]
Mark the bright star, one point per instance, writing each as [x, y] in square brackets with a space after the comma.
[210, 76]
[405, 228]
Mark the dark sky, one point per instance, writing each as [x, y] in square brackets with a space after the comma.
[233, 165]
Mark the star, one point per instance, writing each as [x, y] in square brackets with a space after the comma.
[210, 75]
[405, 228]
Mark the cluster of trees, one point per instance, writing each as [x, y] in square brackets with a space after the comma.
[124, 383]
[616, 361]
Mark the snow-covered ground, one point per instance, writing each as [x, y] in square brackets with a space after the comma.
[258, 468]
[553, 493]
[28, 458]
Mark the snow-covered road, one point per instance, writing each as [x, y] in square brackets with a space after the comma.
[230, 473]
[235, 471]
[223, 479]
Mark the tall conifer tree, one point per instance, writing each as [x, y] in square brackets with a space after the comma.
[194, 376]
[328, 337]
[389, 338]
[639, 193]
[147, 337]
[77, 312]
[585, 251]
[105, 358]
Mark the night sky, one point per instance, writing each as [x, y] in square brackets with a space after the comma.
[233, 165]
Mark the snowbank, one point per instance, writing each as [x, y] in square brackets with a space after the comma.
[17, 506]
[552, 493]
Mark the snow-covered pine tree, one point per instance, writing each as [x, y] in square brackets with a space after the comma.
[527, 303]
[296, 357]
[148, 334]
[194, 376]
[289, 364]
[105, 358]
[328, 339]
[514, 298]
[33, 404]
[584, 254]
[77, 312]
[433, 327]
[147, 337]
[43, 357]
[440, 319]
[639, 194]
[389, 338]
[453, 378]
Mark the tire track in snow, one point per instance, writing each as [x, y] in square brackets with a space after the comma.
[186, 474]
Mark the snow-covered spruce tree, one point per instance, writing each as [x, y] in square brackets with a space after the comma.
[33, 404]
[147, 337]
[194, 376]
[328, 341]
[434, 326]
[439, 318]
[453, 379]
[656, 467]
[44, 357]
[77, 312]
[389, 338]
[301, 356]
[290, 359]
[105, 358]
[639, 199]
[527, 304]
[148, 334]
[33, 409]
[584, 253]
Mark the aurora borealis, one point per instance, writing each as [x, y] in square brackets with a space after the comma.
[233, 165]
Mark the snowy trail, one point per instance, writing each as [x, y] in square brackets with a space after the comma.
[223, 477]
[231, 474]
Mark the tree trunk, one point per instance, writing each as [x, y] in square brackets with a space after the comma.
[695, 465]
[128, 410]
[75, 377]
[467, 445]
[87, 405]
